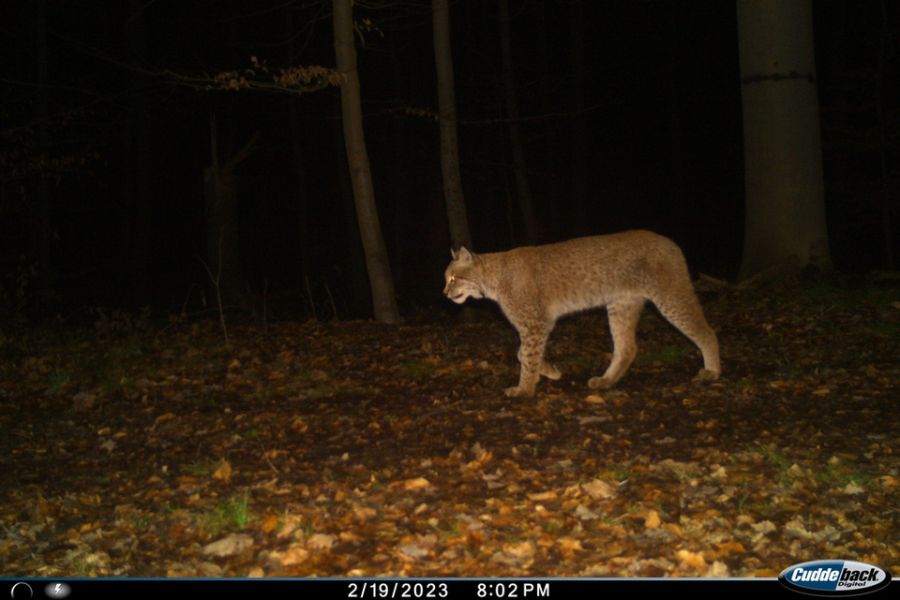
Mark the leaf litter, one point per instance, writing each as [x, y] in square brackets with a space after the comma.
[357, 449]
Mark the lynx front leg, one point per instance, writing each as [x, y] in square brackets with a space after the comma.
[531, 362]
[623, 319]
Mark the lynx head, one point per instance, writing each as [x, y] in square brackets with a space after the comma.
[463, 276]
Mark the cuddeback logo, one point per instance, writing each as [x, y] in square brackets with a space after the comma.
[834, 578]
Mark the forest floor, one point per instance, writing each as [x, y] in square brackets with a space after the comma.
[358, 449]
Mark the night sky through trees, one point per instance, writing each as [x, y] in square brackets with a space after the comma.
[117, 141]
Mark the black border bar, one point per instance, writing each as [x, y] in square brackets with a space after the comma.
[390, 589]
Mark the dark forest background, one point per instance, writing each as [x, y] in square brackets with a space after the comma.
[105, 116]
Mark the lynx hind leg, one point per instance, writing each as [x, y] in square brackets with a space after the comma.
[546, 370]
[683, 310]
[623, 319]
[549, 371]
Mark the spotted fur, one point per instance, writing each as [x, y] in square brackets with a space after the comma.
[536, 285]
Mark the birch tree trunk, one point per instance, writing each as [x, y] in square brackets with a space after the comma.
[453, 193]
[384, 300]
[785, 208]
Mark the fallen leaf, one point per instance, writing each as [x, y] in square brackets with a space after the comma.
[569, 545]
[520, 554]
[294, 555]
[349, 537]
[229, 546]
[853, 489]
[289, 525]
[584, 513]
[320, 541]
[764, 527]
[729, 547]
[269, 523]
[542, 496]
[652, 520]
[364, 513]
[412, 551]
[718, 570]
[223, 472]
[690, 559]
[416, 484]
[796, 528]
[208, 569]
[599, 489]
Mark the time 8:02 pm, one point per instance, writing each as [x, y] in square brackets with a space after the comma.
[512, 589]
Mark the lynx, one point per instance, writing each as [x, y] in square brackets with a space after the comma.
[536, 285]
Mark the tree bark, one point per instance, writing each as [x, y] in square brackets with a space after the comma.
[453, 193]
[384, 300]
[360, 301]
[526, 200]
[223, 251]
[785, 210]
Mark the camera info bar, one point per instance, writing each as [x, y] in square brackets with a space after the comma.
[377, 589]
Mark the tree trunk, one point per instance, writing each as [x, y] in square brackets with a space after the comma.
[453, 194]
[785, 209]
[357, 279]
[384, 299]
[223, 251]
[526, 201]
[404, 193]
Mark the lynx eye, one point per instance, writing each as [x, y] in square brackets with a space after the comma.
[452, 278]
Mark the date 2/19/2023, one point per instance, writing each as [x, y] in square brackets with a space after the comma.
[413, 590]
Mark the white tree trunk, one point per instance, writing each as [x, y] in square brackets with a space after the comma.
[785, 209]
[384, 300]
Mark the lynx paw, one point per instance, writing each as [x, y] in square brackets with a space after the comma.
[706, 375]
[518, 392]
[600, 383]
[550, 372]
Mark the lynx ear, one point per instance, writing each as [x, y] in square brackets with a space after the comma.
[462, 255]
